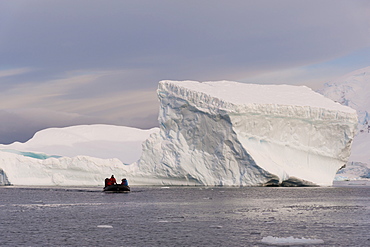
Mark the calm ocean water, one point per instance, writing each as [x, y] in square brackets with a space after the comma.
[183, 216]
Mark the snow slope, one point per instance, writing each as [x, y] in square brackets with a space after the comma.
[98, 140]
[229, 133]
[353, 90]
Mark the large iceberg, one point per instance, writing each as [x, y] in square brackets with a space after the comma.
[229, 133]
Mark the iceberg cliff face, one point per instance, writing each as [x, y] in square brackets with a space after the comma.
[228, 133]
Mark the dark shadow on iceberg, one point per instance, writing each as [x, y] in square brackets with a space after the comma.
[3, 178]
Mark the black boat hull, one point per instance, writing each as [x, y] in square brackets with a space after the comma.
[117, 188]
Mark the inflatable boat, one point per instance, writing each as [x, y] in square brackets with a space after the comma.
[117, 188]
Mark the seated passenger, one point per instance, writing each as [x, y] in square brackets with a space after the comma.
[113, 180]
[107, 182]
[124, 182]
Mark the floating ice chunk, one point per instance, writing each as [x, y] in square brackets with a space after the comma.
[105, 226]
[290, 241]
[215, 226]
[171, 221]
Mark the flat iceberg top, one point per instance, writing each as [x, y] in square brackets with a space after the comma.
[245, 94]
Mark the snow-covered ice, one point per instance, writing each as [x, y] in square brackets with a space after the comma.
[353, 90]
[97, 140]
[64, 171]
[229, 133]
[77, 155]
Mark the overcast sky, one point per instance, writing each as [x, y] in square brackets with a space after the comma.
[74, 62]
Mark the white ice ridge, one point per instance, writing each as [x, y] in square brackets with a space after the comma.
[229, 133]
[96, 140]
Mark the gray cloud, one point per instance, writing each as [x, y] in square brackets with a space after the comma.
[91, 57]
[159, 34]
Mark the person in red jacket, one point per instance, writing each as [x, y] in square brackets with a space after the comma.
[107, 182]
[112, 180]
